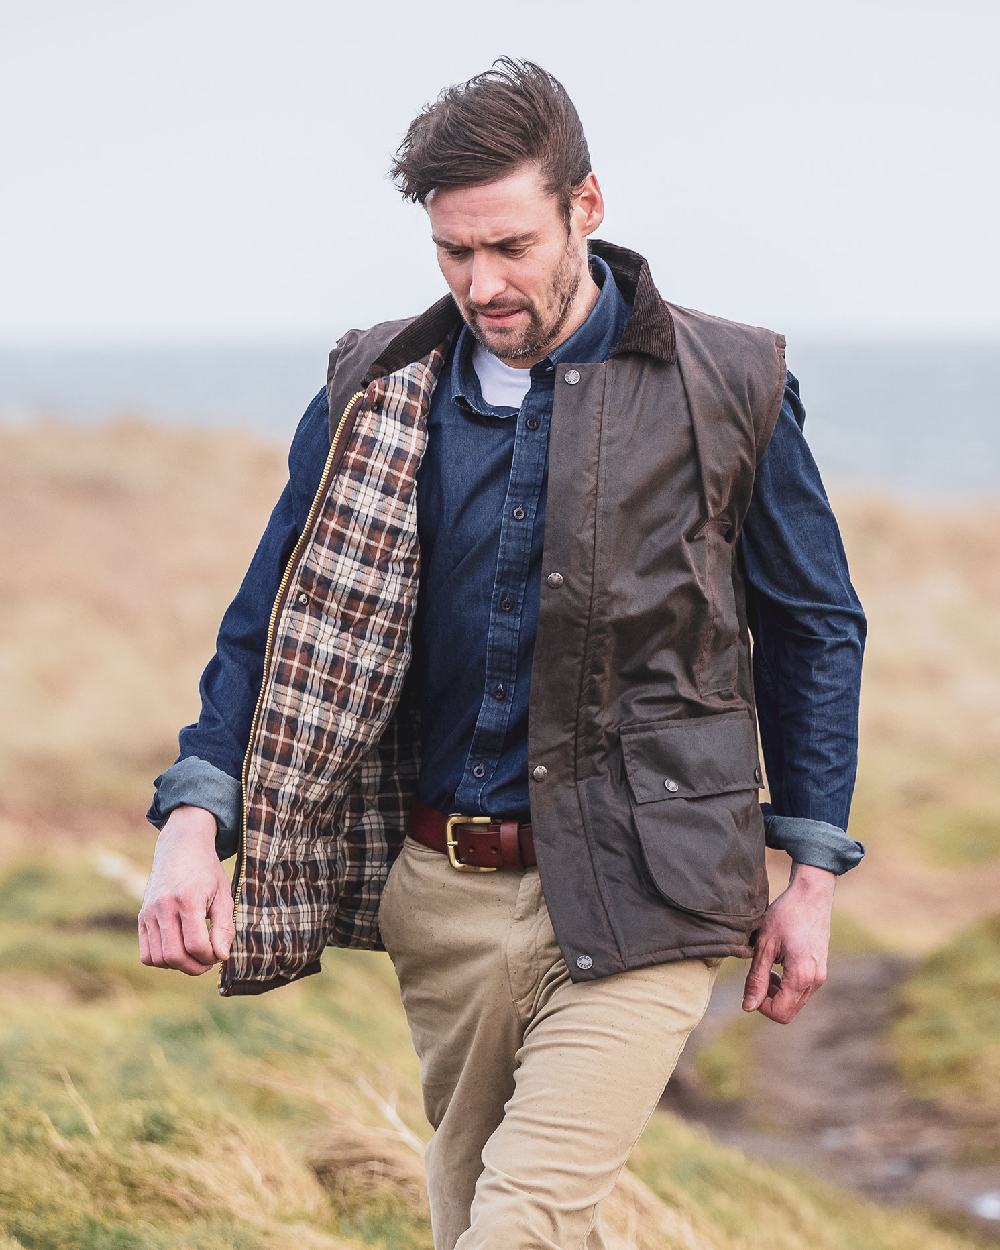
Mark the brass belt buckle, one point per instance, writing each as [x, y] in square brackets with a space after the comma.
[456, 818]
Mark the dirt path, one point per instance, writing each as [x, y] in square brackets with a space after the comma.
[822, 1094]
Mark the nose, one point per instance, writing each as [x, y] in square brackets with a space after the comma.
[487, 280]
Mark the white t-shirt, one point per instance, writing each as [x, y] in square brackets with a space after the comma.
[502, 385]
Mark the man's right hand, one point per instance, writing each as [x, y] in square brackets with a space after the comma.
[186, 885]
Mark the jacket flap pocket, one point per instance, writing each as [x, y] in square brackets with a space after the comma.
[695, 811]
[681, 759]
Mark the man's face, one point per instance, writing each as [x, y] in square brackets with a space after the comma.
[516, 272]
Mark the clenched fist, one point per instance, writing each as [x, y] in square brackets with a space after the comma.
[795, 933]
[186, 921]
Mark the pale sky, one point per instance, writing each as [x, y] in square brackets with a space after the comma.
[216, 170]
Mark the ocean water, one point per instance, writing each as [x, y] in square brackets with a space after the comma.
[919, 418]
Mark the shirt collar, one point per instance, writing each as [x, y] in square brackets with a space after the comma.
[590, 342]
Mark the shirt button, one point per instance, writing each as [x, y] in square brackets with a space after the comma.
[506, 603]
[498, 691]
[756, 773]
[479, 770]
[571, 377]
[670, 784]
[555, 580]
[584, 962]
[539, 772]
[518, 514]
[531, 423]
[303, 598]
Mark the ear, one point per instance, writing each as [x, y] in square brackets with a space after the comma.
[588, 205]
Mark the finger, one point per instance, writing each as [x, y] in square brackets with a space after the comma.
[781, 1015]
[194, 932]
[144, 953]
[221, 916]
[789, 991]
[174, 953]
[756, 985]
[802, 984]
[784, 1004]
[773, 989]
[805, 996]
[155, 946]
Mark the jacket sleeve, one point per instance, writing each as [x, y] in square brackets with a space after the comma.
[809, 632]
[207, 771]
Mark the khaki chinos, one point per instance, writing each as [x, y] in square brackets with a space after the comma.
[537, 1087]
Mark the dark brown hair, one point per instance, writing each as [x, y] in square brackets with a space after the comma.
[482, 129]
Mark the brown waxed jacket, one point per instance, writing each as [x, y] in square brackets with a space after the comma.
[642, 738]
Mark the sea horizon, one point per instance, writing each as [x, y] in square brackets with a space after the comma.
[919, 416]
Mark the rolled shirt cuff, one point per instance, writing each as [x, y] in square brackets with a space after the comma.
[199, 783]
[810, 841]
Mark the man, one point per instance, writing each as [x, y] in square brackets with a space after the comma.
[496, 636]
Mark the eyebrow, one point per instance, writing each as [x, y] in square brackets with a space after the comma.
[511, 240]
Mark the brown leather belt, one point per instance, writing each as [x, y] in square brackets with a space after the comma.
[473, 843]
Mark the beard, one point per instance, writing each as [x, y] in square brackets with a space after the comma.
[543, 328]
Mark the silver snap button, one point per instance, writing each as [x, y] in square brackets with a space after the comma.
[518, 514]
[554, 579]
[670, 784]
[303, 598]
[584, 961]
[539, 772]
[479, 770]
[571, 377]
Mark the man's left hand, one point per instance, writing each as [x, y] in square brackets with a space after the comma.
[794, 933]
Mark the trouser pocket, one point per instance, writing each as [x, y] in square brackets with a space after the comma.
[384, 916]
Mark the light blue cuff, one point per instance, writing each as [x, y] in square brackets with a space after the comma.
[810, 841]
[196, 781]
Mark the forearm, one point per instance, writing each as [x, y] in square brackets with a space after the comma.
[207, 771]
[818, 883]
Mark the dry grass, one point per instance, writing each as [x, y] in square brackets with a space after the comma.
[119, 549]
[138, 1110]
[927, 802]
[121, 544]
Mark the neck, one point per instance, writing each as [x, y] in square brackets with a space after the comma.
[582, 307]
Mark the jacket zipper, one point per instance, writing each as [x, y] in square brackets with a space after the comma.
[332, 459]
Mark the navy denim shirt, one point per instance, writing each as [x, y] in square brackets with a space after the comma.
[481, 490]
[807, 622]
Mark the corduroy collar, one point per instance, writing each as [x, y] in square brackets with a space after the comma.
[650, 330]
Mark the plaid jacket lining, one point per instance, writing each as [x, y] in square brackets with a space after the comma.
[331, 770]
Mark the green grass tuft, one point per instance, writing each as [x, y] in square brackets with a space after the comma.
[946, 1035]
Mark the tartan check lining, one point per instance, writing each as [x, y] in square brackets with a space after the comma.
[333, 764]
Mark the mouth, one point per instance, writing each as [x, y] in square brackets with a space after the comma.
[498, 319]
